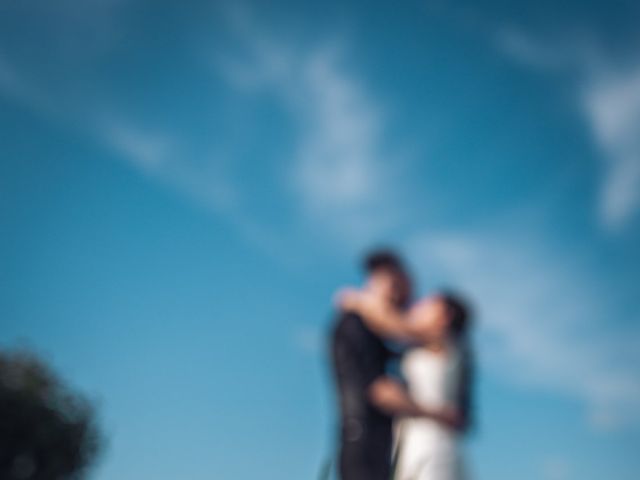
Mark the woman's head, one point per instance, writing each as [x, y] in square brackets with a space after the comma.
[442, 316]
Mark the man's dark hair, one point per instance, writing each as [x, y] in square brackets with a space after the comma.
[382, 259]
[388, 260]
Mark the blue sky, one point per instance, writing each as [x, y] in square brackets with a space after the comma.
[183, 188]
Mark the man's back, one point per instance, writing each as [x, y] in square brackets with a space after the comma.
[359, 357]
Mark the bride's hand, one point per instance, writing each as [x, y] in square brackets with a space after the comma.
[372, 308]
[349, 299]
[361, 302]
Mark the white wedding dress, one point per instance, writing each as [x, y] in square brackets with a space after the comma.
[426, 449]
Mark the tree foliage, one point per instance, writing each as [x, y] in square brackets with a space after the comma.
[47, 431]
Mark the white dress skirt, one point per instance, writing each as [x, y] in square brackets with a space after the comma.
[426, 449]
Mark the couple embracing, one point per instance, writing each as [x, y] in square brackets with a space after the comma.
[413, 418]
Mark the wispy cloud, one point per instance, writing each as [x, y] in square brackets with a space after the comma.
[529, 51]
[609, 97]
[612, 104]
[17, 87]
[159, 155]
[151, 151]
[147, 150]
[543, 312]
[340, 172]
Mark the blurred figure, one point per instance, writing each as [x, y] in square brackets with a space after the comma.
[359, 358]
[47, 431]
[433, 409]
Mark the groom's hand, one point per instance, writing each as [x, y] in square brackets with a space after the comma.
[390, 396]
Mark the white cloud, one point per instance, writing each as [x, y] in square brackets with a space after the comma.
[151, 152]
[528, 51]
[148, 151]
[159, 155]
[612, 105]
[339, 177]
[609, 96]
[254, 60]
[339, 174]
[542, 312]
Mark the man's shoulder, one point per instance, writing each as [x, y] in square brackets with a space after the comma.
[351, 325]
[347, 323]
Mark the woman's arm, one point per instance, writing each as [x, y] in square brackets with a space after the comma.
[389, 396]
[382, 318]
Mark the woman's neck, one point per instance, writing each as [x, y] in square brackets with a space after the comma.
[437, 346]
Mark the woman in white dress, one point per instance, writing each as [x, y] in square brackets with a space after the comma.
[432, 410]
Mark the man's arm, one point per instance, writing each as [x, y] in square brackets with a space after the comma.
[389, 396]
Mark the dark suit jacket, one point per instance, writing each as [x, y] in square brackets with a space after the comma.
[359, 357]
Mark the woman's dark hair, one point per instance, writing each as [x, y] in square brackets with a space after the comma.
[388, 260]
[460, 323]
[459, 313]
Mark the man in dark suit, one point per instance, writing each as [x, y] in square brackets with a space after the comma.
[360, 357]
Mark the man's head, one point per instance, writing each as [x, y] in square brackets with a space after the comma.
[388, 277]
